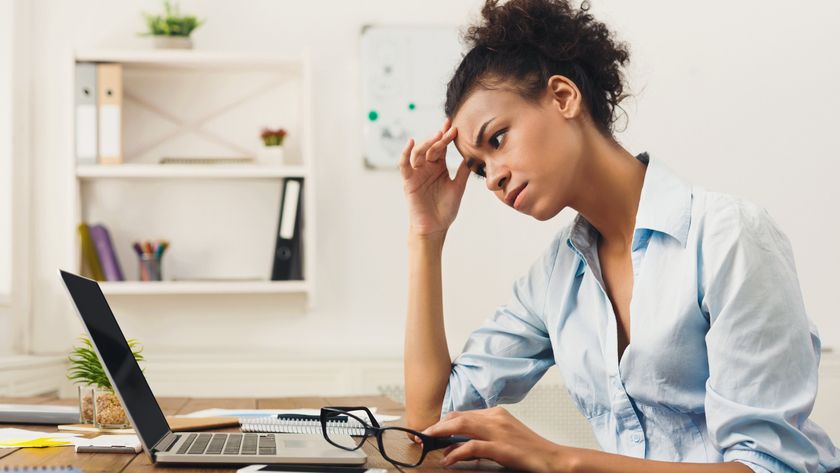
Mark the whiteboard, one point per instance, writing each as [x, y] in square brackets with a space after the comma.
[404, 71]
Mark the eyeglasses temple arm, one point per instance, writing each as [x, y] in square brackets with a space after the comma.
[435, 443]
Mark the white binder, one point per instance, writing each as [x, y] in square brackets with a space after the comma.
[110, 95]
[86, 126]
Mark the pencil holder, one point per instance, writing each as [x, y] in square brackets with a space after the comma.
[150, 268]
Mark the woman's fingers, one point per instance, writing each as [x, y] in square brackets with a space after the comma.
[438, 149]
[418, 155]
[465, 423]
[468, 451]
[405, 163]
[462, 175]
[446, 124]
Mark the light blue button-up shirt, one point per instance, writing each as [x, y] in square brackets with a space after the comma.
[722, 361]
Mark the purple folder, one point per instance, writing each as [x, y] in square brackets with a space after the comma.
[105, 250]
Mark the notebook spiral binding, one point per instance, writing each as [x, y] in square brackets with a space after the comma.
[297, 426]
[40, 469]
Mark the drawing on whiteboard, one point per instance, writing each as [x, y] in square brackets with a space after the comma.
[404, 70]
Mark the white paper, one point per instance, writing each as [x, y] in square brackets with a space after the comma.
[21, 435]
[108, 441]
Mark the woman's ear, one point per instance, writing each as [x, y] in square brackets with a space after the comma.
[565, 96]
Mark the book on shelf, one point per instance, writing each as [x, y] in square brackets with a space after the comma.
[105, 252]
[206, 160]
[90, 267]
[99, 259]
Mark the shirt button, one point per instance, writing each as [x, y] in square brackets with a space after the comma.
[637, 438]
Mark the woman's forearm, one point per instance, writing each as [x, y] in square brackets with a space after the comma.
[427, 362]
[593, 461]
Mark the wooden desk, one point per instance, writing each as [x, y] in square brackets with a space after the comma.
[131, 463]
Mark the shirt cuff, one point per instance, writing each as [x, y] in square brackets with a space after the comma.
[759, 462]
[465, 398]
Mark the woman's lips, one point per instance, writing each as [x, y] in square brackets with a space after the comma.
[512, 197]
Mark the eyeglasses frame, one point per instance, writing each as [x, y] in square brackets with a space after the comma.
[373, 429]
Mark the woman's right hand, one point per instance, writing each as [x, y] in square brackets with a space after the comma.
[433, 197]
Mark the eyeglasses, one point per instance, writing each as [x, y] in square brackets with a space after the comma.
[391, 440]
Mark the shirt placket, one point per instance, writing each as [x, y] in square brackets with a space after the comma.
[630, 435]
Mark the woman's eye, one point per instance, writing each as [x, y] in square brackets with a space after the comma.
[479, 171]
[496, 140]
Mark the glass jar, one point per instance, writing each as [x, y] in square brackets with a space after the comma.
[108, 413]
[86, 404]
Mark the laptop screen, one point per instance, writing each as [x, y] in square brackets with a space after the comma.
[122, 368]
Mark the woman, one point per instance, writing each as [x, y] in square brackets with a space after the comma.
[674, 314]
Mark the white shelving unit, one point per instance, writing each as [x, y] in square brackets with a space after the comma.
[190, 171]
[137, 288]
[221, 219]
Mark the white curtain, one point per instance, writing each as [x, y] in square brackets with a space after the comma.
[6, 55]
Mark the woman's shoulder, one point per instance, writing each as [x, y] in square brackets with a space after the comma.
[727, 220]
[559, 253]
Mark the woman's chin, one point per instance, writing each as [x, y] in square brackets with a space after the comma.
[542, 213]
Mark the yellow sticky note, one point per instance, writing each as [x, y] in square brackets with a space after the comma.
[35, 443]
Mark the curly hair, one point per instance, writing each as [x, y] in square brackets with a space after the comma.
[522, 43]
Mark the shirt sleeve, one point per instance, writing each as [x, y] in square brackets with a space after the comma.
[763, 351]
[511, 351]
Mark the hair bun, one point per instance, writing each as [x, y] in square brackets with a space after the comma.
[561, 37]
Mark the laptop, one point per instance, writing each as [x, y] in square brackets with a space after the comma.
[159, 442]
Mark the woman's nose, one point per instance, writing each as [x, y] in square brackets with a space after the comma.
[497, 180]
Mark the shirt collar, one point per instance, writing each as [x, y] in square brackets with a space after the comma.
[665, 203]
[664, 206]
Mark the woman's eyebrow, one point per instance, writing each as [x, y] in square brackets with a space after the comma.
[480, 137]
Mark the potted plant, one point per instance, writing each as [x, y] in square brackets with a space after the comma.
[98, 404]
[171, 30]
[272, 150]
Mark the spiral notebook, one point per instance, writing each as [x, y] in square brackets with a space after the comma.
[41, 469]
[300, 424]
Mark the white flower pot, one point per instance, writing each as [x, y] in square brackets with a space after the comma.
[173, 42]
[271, 155]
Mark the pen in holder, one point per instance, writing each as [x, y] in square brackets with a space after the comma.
[149, 256]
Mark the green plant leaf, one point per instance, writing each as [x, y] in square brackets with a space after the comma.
[85, 367]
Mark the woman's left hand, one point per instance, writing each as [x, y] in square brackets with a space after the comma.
[498, 436]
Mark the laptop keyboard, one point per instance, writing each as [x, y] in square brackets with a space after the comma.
[229, 444]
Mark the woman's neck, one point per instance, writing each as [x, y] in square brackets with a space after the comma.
[610, 180]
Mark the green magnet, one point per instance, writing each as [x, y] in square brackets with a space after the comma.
[411, 106]
[373, 115]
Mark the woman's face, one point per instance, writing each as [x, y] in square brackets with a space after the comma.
[528, 152]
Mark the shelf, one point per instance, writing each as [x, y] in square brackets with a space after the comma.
[131, 288]
[191, 59]
[208, 171]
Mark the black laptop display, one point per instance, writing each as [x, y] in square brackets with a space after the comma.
[121, 367]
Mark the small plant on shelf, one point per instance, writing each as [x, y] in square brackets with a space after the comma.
[272, 151]
[97, 401]
[172, 29]
[273, 137]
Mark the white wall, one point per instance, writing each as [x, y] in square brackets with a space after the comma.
[738, 97]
